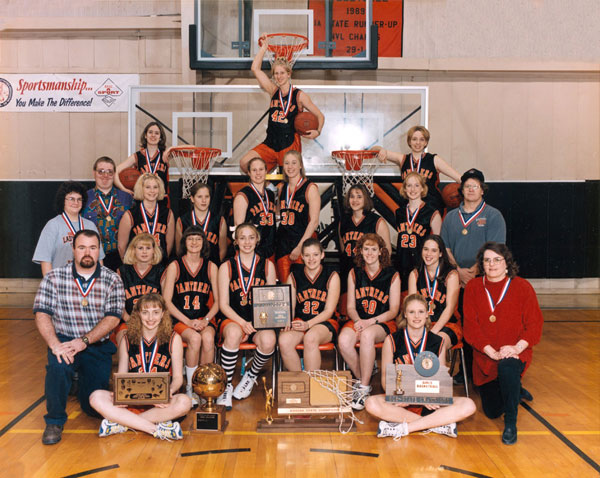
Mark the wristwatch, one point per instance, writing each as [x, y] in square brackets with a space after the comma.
[85, 340]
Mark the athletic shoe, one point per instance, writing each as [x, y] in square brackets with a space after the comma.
[448, 430]
[391, 429]
[360, 394]
[110, 428]
[244, 388]
[225, 398]
[168, 431]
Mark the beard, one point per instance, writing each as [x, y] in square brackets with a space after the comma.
[87, 262]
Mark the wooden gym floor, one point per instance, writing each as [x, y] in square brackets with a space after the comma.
[559, 432]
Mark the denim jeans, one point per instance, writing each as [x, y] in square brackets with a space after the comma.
[93, 366]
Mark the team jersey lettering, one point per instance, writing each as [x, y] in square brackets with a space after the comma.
[371, 292]
[160, 361]
[139, 290]
[193, 286]
[308, 294]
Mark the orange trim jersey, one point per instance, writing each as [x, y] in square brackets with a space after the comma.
[238, 301]
[192, 289]
[162, 358]
[372, 293]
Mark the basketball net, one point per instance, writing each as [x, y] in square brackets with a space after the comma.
[288, 46]
[194, 163]
[330, 381]
[357, 167]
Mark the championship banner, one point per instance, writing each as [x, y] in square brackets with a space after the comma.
[348, 26]
[65, 92]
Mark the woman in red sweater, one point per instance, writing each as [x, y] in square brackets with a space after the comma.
[502, 321]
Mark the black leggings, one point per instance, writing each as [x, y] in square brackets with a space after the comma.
[502, 395]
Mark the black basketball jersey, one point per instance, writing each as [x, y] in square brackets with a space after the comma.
[211, 225]
[161, 170]
[294, 217]
[350, 233]
[311, 295]
[137, 285]
[411, 238]
[433, 343]
[238, 301]
[431, 176]
[439, 298]
[372, 293]
[138, 224]
[265, 223]
[162, 358]
[192, 289]
[280, 129]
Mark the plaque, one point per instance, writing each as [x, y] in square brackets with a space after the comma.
[141, 388]
[404, 383]
[271, 306]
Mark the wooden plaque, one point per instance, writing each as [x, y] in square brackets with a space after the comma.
[271, 306]
[299, 394]
[404, 385]
[212, 421]
[141, 388]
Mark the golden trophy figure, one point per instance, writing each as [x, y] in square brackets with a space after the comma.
[209, 382]
[268, 402]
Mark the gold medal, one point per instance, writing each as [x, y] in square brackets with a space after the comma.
[492, 318]
[465, 232]
[244, 300]
[409, 230]
[285, 120]
[84, 302]
[109, 219]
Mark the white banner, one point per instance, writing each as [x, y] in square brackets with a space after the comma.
[65, 92]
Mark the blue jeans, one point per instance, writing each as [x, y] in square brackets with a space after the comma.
[93, 366]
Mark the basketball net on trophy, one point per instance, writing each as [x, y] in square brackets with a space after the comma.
[357, 167]
[288, 46]
[329, 380]
[194, 163]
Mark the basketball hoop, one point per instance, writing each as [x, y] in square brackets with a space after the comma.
[285, 45]
[194, 163]
[357, 167]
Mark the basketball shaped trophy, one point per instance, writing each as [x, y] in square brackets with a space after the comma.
[209, 381]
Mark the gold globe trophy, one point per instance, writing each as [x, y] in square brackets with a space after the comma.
[209, 382]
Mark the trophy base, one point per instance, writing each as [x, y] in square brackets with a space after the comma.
[210, 422]
[301, 425]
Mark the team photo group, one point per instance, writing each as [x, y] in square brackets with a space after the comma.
[122, 275]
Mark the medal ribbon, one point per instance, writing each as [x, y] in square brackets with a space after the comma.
[412, 159]
[106, 208]
[409, 347]
[265, 207]
[84, 290]
[70, 224]
[204, 224]
[412, 220]
[286, 106]
[475, 214]
[502, 294]
[150, 168]
[246, 283]
[431, 291]
[147, 368]
[290, 197]
[147, 222]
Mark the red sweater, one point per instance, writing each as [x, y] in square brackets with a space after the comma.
[518, 317]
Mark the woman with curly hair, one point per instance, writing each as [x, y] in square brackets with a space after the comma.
[502, 322]
[150, 345]
[373, 304]
[55, 245]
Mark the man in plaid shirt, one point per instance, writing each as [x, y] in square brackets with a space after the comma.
[76, 308]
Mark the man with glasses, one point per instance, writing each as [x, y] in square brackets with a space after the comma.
[54, 248]
[105, 207]
[467, 228]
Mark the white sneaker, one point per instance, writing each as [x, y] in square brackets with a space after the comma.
[244, 388]
[448, 430]
[110, 428]
[225, 398]
[391, 429]
[196, 400]
[360, 394]
[168, 431]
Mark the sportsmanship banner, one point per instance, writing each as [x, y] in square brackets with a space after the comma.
[348, 21]
[65, 92]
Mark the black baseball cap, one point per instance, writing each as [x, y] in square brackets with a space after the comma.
[472, 174]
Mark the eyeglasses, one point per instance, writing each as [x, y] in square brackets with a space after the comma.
[495, 260]
[74, 199]
[471, 187]
[105, 172]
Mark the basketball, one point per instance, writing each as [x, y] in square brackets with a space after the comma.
[129, 177]
[305, 122]
[451, 195]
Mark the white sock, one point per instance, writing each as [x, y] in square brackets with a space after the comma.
[189, 373]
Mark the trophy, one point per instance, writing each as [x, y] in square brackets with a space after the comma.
[209, 382]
